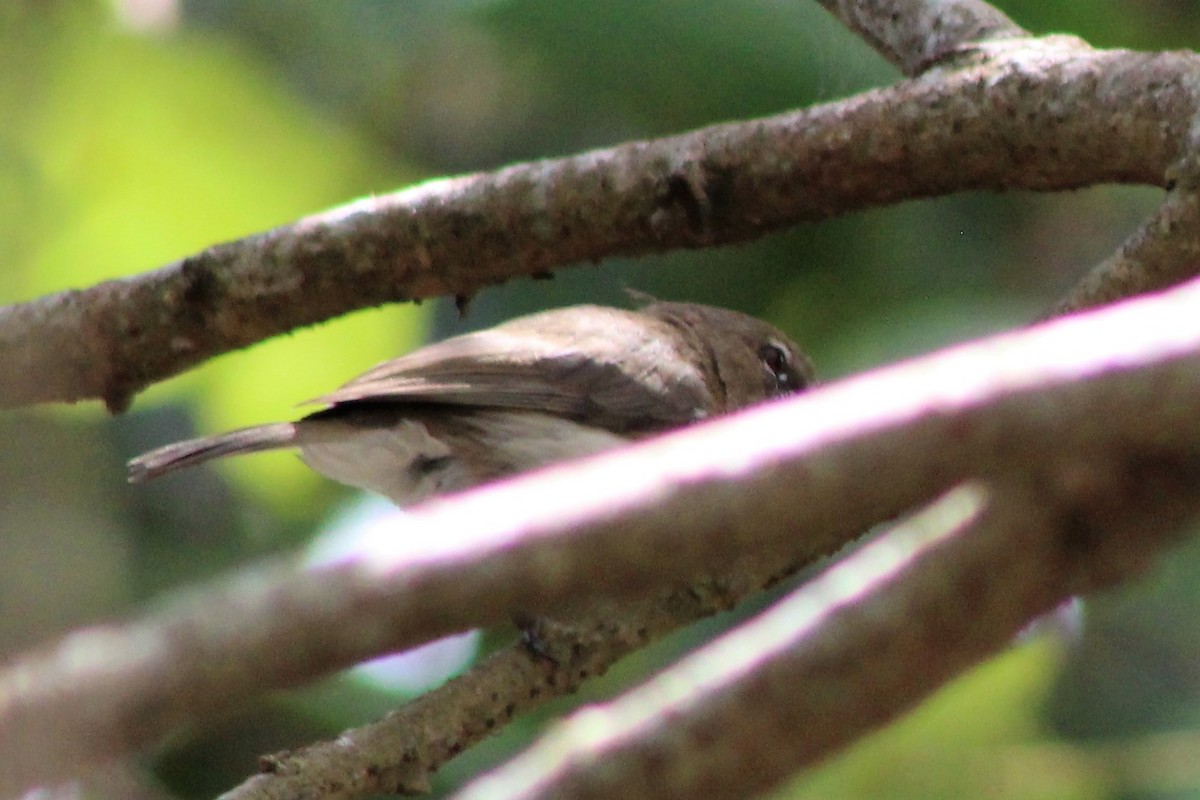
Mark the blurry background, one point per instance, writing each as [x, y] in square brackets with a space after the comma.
[136, 132]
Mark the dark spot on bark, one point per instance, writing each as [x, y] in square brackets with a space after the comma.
[199, 285]
[691, 196]
[117, 396]
[462, 302]
[1079, 537]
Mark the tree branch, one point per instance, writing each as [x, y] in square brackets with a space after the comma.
[915, 34]
[1163, 252]
[400, 752]
[1026, 118]
[1024, 114]
[788, 480]
[860, 638]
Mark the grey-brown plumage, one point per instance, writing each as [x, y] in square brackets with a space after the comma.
[532, 391]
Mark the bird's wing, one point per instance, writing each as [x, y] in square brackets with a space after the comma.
[592, 363]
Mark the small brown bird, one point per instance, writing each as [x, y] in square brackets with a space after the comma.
[529, 392]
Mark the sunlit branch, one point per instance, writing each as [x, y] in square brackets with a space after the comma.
[1027, 117]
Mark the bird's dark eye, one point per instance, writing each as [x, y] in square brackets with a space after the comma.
[774, 357]
[776, 360]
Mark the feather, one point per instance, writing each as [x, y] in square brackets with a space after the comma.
[585, 362]
[195, 451]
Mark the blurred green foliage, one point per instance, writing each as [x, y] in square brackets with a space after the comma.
[127, 141]
[962, 742]
[128, 151]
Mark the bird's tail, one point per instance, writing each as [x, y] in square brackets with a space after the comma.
[196, 451]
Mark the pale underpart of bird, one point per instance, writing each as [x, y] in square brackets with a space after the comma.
[527, 393]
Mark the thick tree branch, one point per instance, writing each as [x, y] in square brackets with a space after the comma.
[789, 480]
[867, 641]
[915, 34]
[1049, 114]
[1026, 113]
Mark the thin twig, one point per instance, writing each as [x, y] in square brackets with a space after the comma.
[915, 34]
[400, 752]
[1163, 252]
